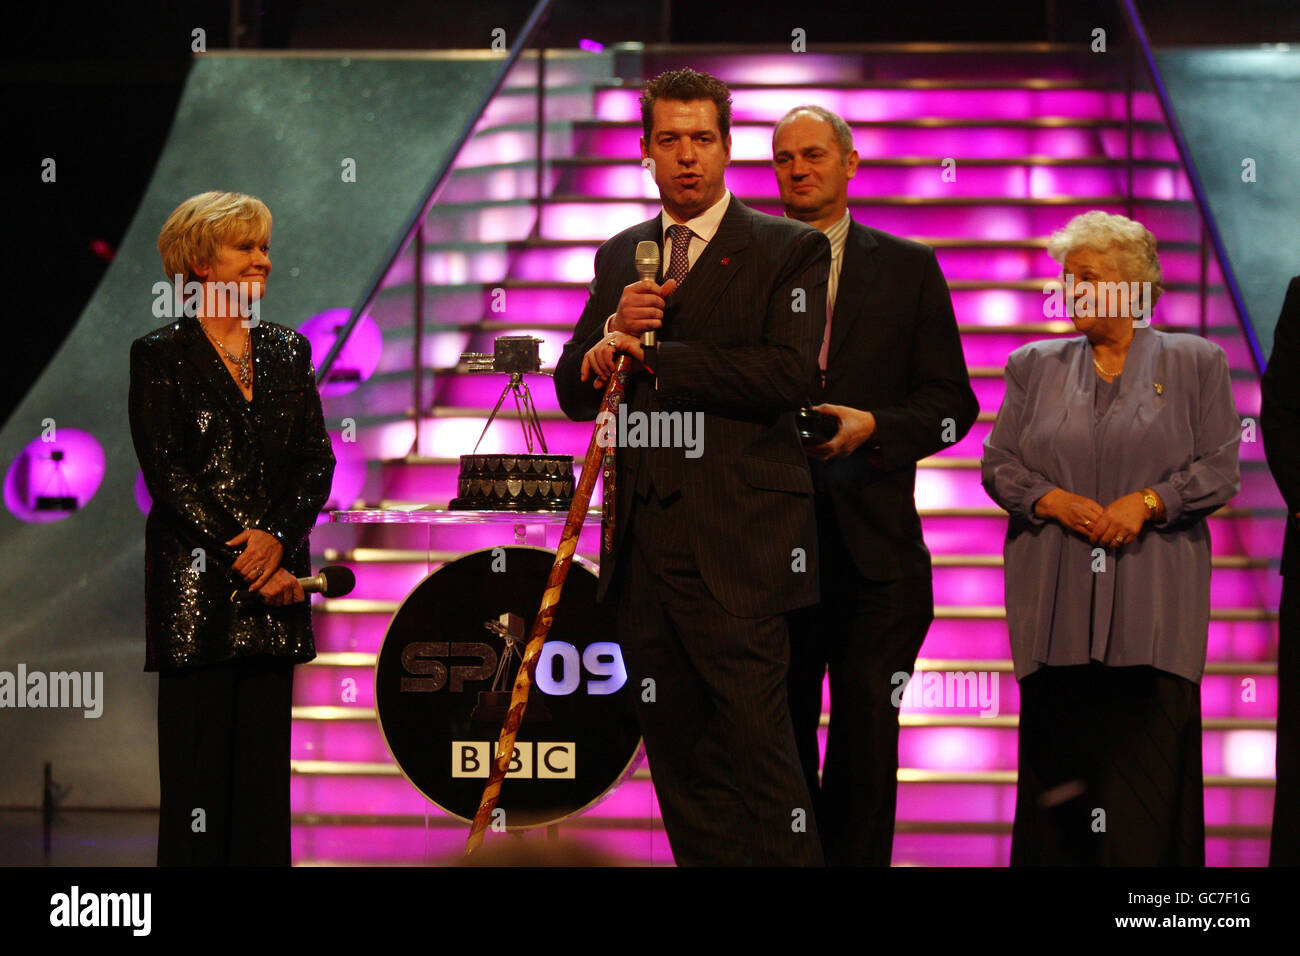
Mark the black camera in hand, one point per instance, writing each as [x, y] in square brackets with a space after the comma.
[816, 428]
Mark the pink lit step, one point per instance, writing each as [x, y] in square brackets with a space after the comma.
[497, 144]
[390, 793]
[520, 105]
[444, 844]
[936, 177]
[497, 181]
[888, 103]
[888, 63]
[958, 749]
[338, 686]
[1070, 140]
[992, 301]
[1012, 262]
[503, 222]
[1019, 264]
[964, 639]
[567, 218]
[970, 262]
[960, 487]
[948, 638]
[435, 481]
[961, 259]
[976, 586]
[984, 744]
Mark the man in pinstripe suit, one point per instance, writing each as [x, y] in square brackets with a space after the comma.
[711, 551]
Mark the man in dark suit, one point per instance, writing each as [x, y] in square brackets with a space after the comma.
[710, 550]
[1279, 423]
[893, 373]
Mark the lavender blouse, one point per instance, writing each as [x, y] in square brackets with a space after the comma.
[1172, 427]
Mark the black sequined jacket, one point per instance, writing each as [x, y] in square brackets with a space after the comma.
[216, 465]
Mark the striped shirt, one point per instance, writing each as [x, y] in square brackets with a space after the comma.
[838, 234]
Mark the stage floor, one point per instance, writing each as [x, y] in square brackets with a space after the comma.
[129, 838]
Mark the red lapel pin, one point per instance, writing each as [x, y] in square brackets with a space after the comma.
[726, 260]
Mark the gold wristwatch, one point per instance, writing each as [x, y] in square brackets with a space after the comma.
[1151, 501]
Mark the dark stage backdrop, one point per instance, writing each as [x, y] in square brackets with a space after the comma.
[1236, 104]
[279, 127]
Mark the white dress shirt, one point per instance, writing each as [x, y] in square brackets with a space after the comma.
[703, 228]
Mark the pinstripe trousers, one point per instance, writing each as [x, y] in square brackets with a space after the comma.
[715, 717]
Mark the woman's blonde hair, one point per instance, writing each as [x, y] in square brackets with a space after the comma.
[1135, 247]
[201, 223]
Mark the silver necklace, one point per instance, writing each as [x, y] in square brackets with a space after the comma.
[243, 361]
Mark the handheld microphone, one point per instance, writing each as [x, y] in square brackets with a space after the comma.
[331, 581]
[647, 267]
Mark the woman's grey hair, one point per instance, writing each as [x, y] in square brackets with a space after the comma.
[840, 131]
[1132, 242]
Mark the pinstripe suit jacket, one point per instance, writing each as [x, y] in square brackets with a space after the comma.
[739, 345]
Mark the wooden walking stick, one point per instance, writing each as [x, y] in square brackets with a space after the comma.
[591, 467]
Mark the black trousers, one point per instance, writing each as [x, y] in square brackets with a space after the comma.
[716, 720]
[862, 633]
[1109, 769]
[1285, 849]
[223, 749]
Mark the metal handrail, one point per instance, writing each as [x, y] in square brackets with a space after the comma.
[1139, 34]
[436, 183]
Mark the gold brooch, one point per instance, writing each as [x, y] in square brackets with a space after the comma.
[1160, 389]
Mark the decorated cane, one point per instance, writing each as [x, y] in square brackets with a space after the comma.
[591, 467]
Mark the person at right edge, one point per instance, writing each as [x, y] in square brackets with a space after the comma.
[895, 377]
[1279, 424]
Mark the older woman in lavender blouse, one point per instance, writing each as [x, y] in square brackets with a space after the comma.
[1109, 451]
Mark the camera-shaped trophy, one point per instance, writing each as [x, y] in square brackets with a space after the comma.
[519, 482]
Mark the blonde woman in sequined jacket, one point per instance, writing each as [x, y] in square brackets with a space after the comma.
[227, 425]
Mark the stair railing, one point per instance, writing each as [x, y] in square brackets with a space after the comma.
[413, 232]
[1210, 237]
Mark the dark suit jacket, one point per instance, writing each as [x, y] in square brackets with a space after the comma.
[216, 465]
[1279, 419]
[734, 347]
[895, 352]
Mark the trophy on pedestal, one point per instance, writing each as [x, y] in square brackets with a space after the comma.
[514, 482]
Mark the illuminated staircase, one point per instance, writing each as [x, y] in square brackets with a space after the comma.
[1039, 134]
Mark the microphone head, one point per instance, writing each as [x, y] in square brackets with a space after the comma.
[647, 259]
[338, 580]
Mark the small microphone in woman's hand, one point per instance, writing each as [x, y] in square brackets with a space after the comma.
[331, 581]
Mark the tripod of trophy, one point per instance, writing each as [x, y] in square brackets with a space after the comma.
[529, 422]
